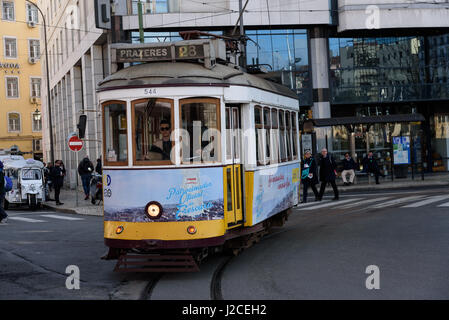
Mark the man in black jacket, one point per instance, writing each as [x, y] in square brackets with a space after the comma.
[85, 169]
[3, 214]
[327, 173]
[370, 166]
[57, 174]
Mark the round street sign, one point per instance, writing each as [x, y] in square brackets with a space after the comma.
[75, 143]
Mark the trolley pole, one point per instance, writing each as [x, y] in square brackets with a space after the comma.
[140, 12]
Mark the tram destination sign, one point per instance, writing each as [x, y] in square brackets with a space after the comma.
[160, 53]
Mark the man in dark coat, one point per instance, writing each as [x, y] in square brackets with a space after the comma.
[85, 169]
[3, 215]
[370, 166]
[327, 173]
[57, 174]
[309, 175]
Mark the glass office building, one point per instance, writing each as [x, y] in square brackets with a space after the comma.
[393, 75]
[368, 77]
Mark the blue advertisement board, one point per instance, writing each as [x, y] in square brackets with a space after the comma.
[401, 150]
[185, 194]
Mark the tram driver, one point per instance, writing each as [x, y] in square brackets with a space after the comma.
[163, 146]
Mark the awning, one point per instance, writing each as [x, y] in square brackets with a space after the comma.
[392, 118]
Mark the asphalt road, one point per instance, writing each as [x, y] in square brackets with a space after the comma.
[322, 252]
[36, 249]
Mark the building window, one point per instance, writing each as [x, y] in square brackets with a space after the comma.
[151, 6]
[8, 10]
[37, 120]
[12, 87]
[10, 47]
[13, 122]
[37, 145]
[32, 14]
[35, 87]
[34, 49]
[285, 54]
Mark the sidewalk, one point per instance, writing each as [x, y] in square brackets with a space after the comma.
[68, 197]
[85, 207]
[366, 184]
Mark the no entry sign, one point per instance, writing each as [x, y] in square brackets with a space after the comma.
[75, 143]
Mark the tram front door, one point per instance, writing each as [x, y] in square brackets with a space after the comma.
[232, 173]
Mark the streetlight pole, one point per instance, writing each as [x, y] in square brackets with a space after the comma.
[52, 153]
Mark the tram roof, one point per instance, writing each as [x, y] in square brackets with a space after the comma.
[172, 74]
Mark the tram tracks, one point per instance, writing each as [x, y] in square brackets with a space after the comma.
[206, 284]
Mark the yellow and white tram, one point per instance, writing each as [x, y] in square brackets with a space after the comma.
[194, 159]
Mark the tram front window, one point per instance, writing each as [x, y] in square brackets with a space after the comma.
[200, 134]
[152, 133]
[115, 136]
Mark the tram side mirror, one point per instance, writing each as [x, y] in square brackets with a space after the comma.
[82, 126]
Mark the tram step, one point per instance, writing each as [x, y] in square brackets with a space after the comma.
[157, 262]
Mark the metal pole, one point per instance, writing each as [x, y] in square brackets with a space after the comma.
[140, 12]
[52, 152]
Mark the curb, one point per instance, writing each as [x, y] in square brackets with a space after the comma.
[383, 186]
[71, 211]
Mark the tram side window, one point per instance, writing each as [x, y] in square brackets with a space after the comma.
[282, 132]
[200, 130]
[274, 136]
[115, 126]
[294, 136]
[259, 134]
[288, 135]
[267, 127]
[152, 131]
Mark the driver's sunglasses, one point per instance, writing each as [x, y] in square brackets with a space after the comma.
[165, 128]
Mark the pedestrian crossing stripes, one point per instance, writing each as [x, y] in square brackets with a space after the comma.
[395, 202]
[60, 217]
[444, 205]
[329, 204]
[24, 219]
[37, 218]
[412, 201]
[426, 201]
[362, 203]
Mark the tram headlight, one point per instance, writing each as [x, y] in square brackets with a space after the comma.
[153, 210]
[119, 229]
[191, 230]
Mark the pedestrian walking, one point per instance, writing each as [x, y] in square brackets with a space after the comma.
[49, 177]
[3, 215]
[58, 173]
[327, 173]
[85, 170]
[309, 177]
[47, 181]
[349, 167]
[370, 166]
[98, 168]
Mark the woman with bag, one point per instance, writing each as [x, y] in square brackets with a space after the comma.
[309, 176]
